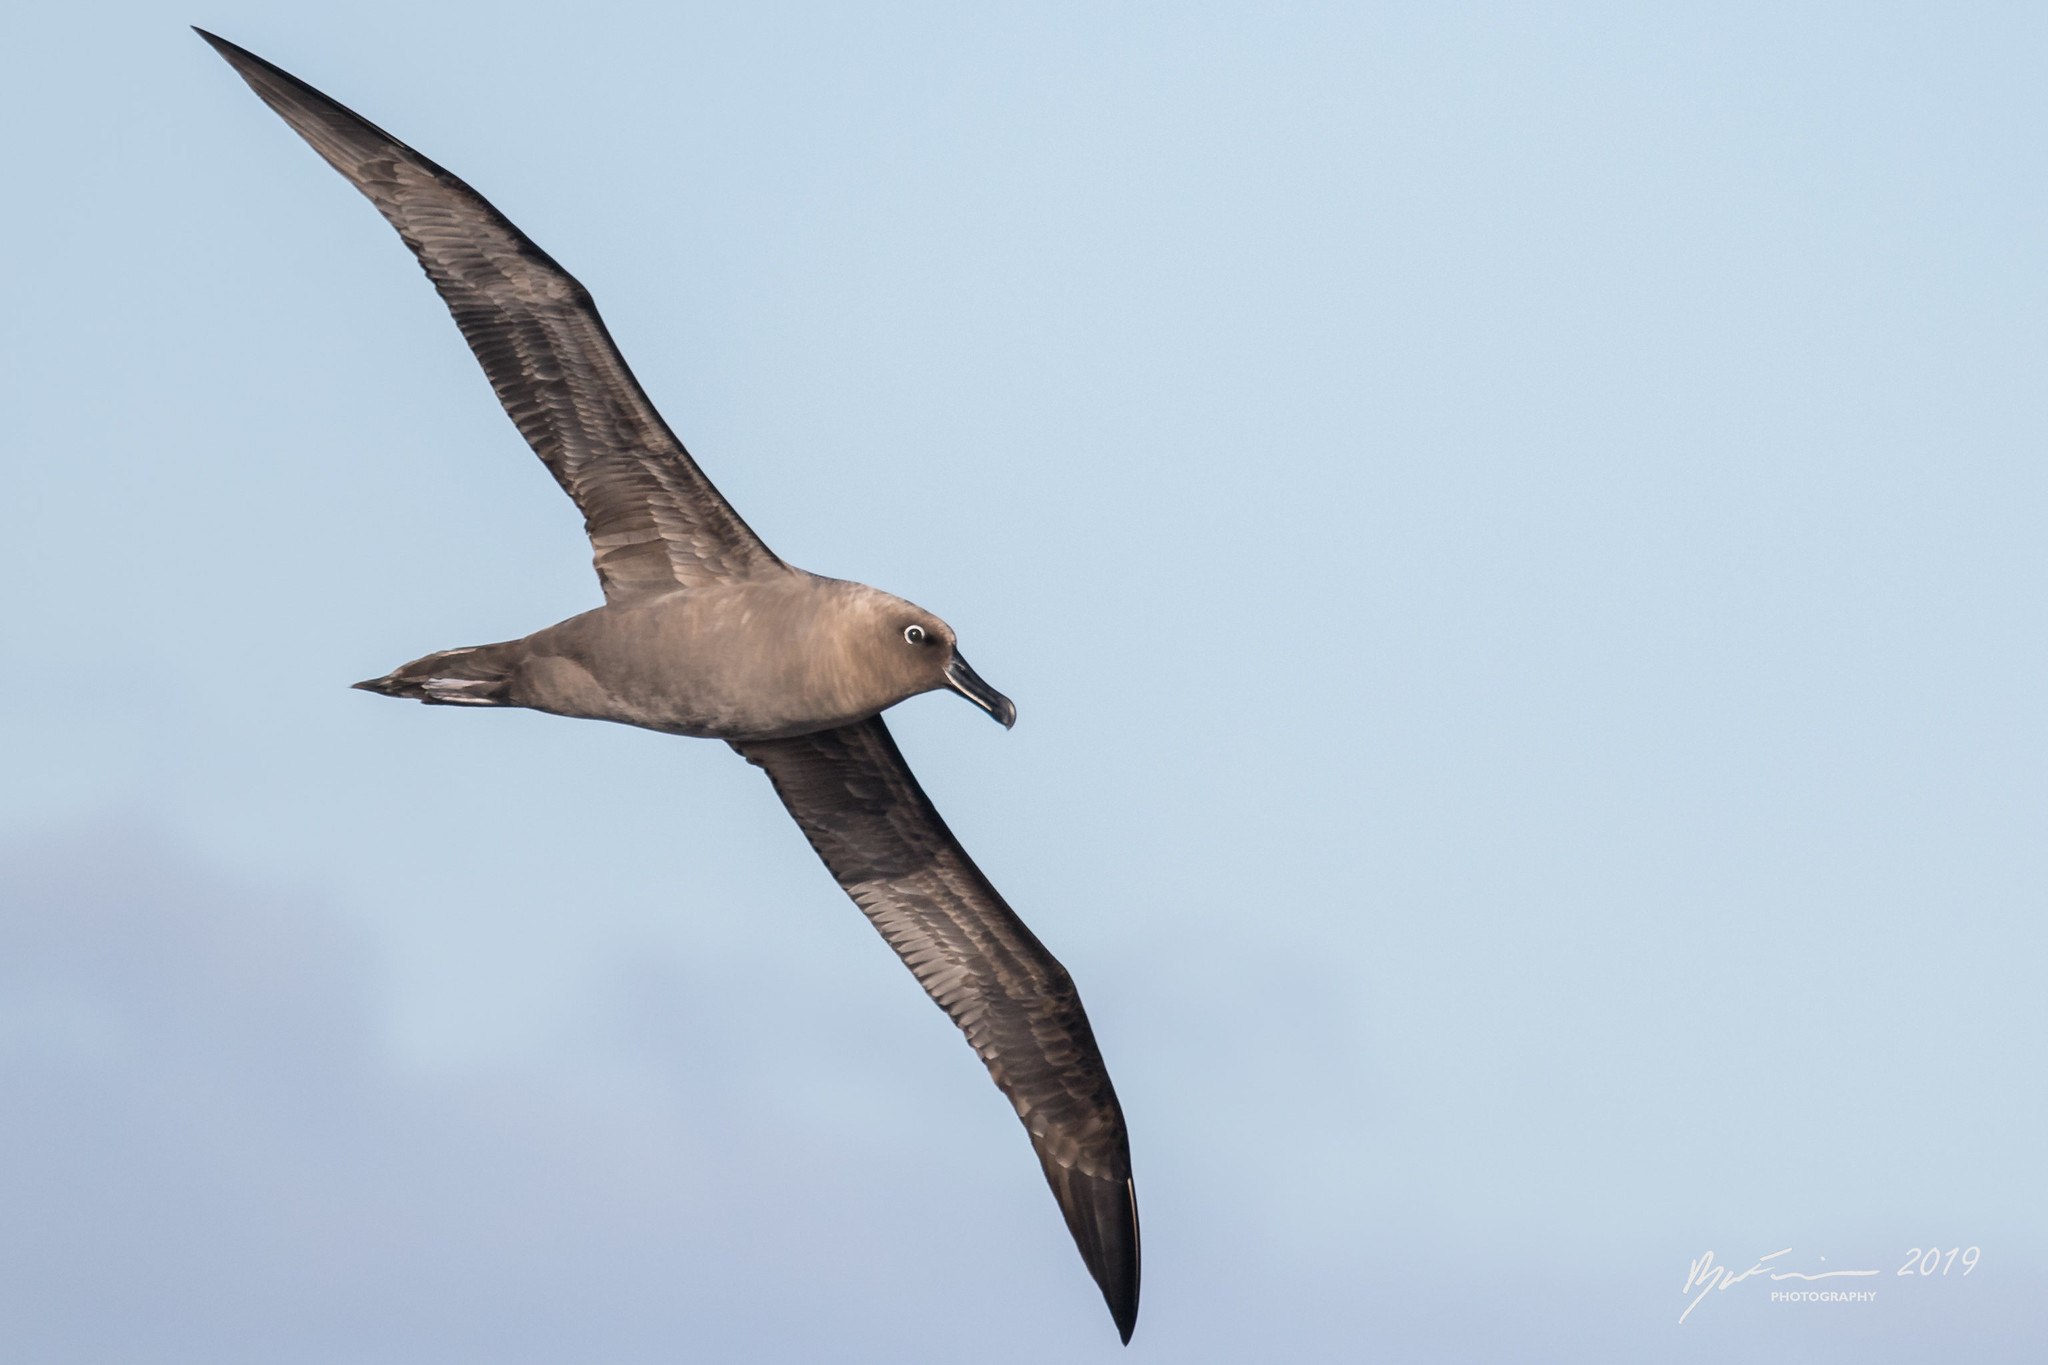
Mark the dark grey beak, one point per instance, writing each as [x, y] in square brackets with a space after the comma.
[968, 684]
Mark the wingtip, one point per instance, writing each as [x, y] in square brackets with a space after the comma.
[1102, 1215]
[1120, 1292]
[235, 55]
[253, 68]
[1118, 1280]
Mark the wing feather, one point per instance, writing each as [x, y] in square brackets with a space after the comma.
[655, 522]
[878, 833]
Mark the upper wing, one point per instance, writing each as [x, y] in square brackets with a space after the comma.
[654, 520]
[868, 819]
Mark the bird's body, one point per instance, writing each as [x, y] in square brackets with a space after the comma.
[757, 658]
[706, 632]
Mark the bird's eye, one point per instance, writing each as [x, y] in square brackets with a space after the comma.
[914, 634]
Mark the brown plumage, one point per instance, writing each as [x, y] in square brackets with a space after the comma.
[864, 813]
[705, 632]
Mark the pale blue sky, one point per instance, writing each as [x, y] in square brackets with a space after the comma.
[1515, 533]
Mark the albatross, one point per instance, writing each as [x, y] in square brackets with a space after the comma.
[704, 631]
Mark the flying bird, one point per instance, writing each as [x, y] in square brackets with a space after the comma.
[704, 631]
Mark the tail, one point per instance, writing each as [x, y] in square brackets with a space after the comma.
[480, 675]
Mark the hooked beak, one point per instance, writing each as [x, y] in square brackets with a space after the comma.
[968, 684]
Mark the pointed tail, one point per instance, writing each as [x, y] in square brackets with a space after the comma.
[480, 675]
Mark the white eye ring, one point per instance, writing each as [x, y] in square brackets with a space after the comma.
[914, 634]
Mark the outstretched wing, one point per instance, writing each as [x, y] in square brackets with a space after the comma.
[655, 521]
[868, 819]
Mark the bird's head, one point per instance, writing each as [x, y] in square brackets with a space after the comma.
[924, 652]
